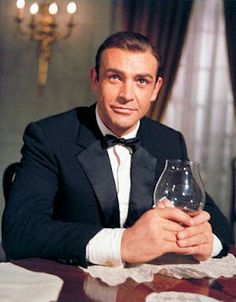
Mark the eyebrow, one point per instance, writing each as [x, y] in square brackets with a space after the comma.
[113, 70]
[141, 75]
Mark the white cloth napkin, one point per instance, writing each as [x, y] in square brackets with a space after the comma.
[20, 284]
[171, 265]
[178, 297]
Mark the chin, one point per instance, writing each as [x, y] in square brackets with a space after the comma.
[121, 130]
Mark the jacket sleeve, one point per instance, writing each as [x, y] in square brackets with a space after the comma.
[28, 226]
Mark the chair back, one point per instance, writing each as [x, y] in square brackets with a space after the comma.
[8, 177]
[7, 180]
[233, 201]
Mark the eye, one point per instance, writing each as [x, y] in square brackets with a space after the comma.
[142, 82]
[114, 77]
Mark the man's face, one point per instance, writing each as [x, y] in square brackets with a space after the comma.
[126, 87]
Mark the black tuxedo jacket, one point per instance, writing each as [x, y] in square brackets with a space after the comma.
[64, 191]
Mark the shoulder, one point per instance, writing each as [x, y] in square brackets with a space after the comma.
[65, 121]
[58, 128]
[158, 129]
[162, 140]
[61, 119]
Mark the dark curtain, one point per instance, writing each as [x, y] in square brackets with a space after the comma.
[164, 22]
[230, 27]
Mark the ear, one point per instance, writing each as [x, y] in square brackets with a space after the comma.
[93, 78]
[157, 88]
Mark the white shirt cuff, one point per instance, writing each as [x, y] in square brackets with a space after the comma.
[105, 248]
[217, 246]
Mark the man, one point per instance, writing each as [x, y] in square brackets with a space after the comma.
[82, 198]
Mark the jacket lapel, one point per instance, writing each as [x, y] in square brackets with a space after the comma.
[143, 167]
[96, 164]
[145, 170]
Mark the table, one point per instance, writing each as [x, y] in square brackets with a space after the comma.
[76, 282]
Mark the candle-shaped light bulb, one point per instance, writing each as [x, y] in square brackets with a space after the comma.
[20, 4]
[34, 8]
[71, 7]
[53, 8]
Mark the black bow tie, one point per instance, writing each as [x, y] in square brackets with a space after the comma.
[132, 143]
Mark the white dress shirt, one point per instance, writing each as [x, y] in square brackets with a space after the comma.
[110, 239]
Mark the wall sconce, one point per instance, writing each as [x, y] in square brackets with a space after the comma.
[43, 30]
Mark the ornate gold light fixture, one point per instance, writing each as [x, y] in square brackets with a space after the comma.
[43, 29]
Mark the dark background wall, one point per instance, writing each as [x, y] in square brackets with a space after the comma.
[68, 83]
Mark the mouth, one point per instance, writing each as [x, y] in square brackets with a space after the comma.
[122, 110]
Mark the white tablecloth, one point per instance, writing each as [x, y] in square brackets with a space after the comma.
[19, 284]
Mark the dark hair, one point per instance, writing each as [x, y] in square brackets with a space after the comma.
[127, 41]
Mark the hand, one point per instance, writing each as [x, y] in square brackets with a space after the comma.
[154, 234]
[198, 238]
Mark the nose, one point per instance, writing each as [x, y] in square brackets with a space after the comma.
[126, 92]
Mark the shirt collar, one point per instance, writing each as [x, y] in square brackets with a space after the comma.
[105, 130]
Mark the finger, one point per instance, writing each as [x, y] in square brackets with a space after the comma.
[169, 236]
[197, 240]
[202, 257]
[202, 217]
[188, 232]
[201, 253]
[174, 214]
[172, 226]
[167, 203]
[160, 204]
[173, 247]
[164, 203]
